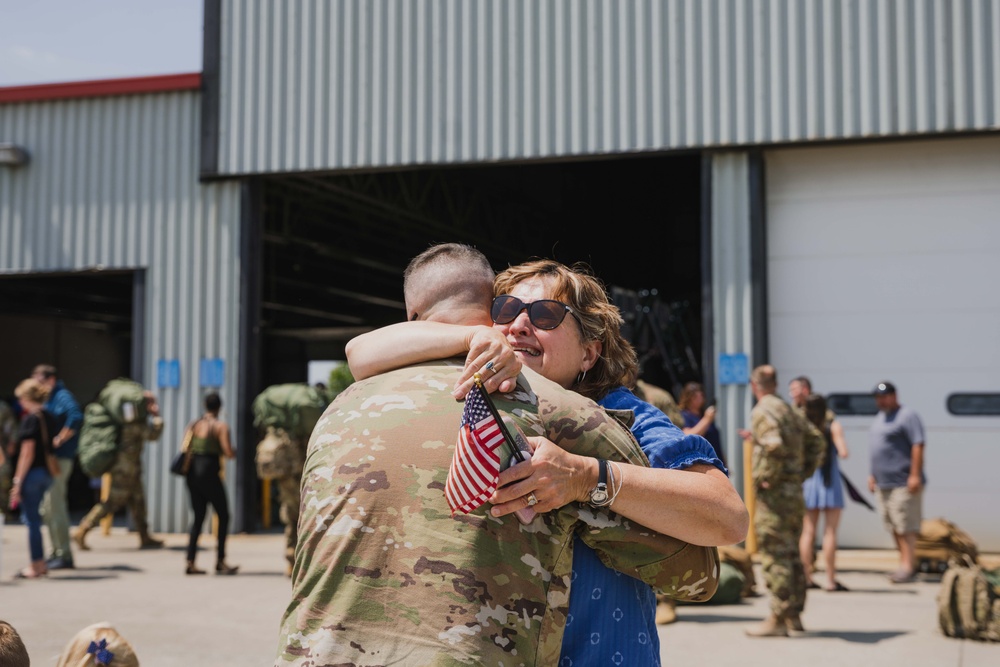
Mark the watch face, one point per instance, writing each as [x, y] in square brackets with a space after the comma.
[598, 496]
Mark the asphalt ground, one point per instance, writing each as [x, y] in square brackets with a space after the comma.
[173, 619]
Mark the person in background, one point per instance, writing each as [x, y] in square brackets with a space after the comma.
[55, 507]
[660, 398]
[210, 443]
[824, 493]
[32, 472]
[699, 419]
[897, 478]
[13, 653]
[8, 433]
[126, 479]
[786, 452]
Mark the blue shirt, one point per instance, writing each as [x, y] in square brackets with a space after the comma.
[612, 615]
[63, 406]
[711, 433]
[892, 436]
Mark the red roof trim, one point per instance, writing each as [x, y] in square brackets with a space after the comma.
[102, 88]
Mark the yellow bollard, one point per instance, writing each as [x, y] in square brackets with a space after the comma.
[265, 501]
[749, 494]
[109, 520]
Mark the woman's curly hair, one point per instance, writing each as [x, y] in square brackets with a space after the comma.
[599, 319]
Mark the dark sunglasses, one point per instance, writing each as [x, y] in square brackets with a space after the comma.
[545, 314]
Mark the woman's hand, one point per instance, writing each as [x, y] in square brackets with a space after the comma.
[15, 496]
[486, 345]
[555, 476]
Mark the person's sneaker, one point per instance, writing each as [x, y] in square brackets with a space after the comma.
[58, 563]
[903, 577]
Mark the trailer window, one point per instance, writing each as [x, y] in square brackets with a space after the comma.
[852, 404]
[974, 405]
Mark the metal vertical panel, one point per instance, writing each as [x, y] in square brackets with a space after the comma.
[732, 292]
[341, 84]
[113, 184]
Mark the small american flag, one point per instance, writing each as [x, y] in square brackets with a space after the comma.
[475, 467]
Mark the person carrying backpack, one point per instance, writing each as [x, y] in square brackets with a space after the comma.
[141, 422]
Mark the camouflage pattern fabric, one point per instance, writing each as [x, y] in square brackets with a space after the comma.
[385, 575]
[8, 429]
[126, 477]
[662, 399]
[785, 453]
[288, 512]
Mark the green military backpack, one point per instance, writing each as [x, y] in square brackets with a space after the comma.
[98, 447]
[120, 402]
[293, 408]
[969, 602]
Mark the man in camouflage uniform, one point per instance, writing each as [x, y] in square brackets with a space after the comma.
[384, 574]
[786, 451]
[126, 479]
[8, 429]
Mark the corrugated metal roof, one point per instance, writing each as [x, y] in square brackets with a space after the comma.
[342, 84]
[113, 184]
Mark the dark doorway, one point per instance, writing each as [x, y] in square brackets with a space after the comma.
[81, 323]
[334, 248]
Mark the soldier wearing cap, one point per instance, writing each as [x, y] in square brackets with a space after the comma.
[897, 478]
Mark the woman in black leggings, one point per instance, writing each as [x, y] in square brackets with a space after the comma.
[209, 443]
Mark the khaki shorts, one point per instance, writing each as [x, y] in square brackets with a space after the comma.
[900, 510]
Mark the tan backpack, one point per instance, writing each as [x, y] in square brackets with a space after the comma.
[940, 543]
[969, 603]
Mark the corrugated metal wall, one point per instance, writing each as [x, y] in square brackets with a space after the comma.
[113, 182]
[335, 84]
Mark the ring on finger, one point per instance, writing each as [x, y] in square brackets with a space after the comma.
[490, 366]
[532, 500]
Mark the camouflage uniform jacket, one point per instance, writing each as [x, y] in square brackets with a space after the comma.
[786, 447]
[133, 437]
[385, 575]
[662, 399]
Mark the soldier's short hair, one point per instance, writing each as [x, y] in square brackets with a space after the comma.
[447, 274]
[765, 377]
[804, 381]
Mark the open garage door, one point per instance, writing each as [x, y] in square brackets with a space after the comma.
[82, 323]
[334, 248]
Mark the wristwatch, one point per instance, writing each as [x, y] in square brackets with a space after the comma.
[599, 496]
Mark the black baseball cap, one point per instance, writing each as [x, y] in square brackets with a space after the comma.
[883, 388]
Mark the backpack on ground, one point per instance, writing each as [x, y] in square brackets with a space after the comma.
[969, 604]
[941, 543]
[740, 558]
[98, 446]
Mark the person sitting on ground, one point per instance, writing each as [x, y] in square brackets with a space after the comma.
[98, 644]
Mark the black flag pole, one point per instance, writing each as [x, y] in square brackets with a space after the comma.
[508, 438]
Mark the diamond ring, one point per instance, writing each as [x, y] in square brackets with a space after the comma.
[532, 500]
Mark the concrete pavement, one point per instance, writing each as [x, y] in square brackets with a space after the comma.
[177, 620]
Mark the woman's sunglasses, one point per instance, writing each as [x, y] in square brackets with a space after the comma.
[545, 314]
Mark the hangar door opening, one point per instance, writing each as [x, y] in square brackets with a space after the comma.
[334, 247]
[81, 323]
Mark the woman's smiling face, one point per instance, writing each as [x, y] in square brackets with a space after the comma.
[558, 354]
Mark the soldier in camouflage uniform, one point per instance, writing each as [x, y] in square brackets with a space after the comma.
[8, 429]
[126, 480]
[288, 498]
[384, 574]
[786, 452]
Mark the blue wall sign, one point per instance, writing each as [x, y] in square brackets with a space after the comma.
[212, 372]
[168, 374]
[734, 369]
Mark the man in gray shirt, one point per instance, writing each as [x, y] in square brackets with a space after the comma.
[897, 479]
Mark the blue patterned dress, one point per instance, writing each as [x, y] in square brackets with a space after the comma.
[612, 615]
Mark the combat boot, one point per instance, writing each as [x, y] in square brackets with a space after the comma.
[147, 541]
[79, 537]
[794, 624]
[773, 626]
